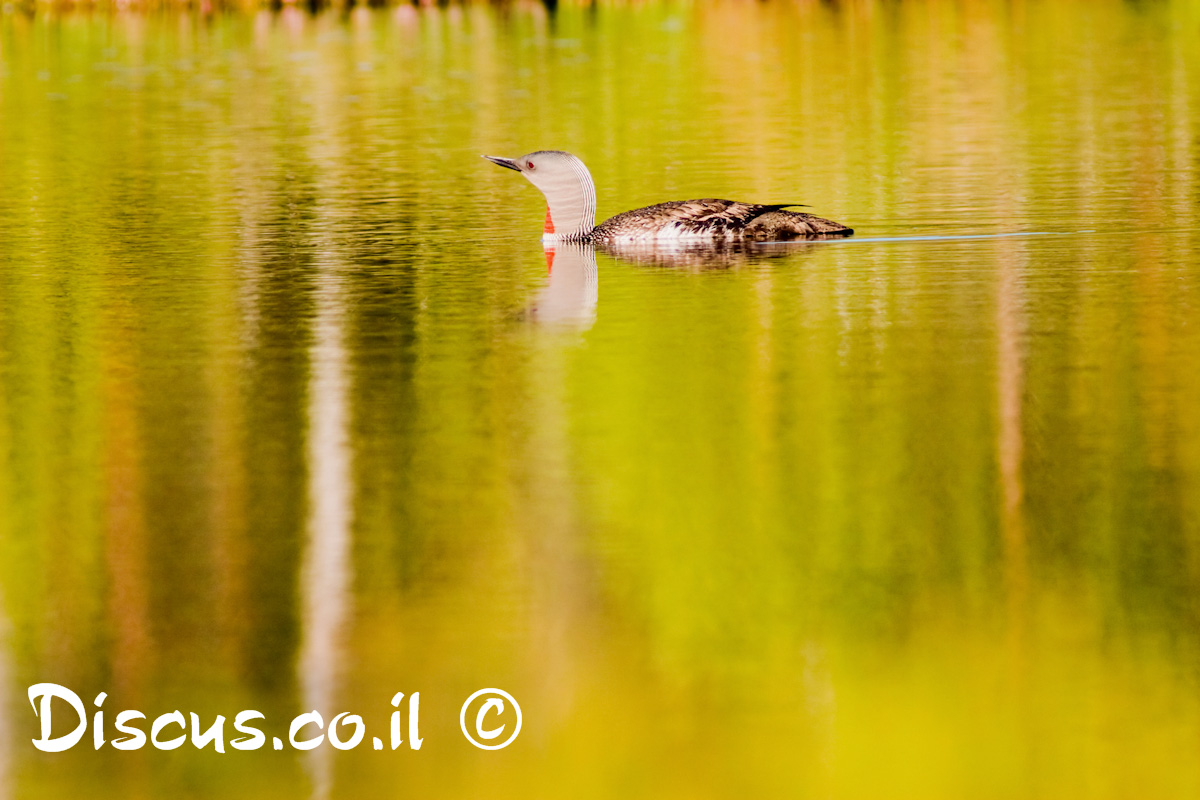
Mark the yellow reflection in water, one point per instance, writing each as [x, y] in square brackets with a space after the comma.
[292, 415]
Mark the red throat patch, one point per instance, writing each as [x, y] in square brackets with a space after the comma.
[549, 227]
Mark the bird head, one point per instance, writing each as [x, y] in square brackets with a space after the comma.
[567, 185]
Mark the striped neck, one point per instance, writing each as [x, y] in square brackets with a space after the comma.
[571, 200]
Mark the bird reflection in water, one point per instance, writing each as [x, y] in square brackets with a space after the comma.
[706, 256]
[570, 297]
[572, 293]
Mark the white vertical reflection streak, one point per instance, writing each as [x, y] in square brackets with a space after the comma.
[326, 570]
[571, 294]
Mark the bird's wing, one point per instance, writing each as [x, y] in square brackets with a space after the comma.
[710, 211]
[707, 216]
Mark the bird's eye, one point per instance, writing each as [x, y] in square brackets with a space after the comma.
[529, 164]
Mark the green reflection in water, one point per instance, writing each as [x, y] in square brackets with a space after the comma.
[284, 422]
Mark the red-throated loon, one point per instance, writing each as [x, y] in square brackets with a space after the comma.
[571, 211]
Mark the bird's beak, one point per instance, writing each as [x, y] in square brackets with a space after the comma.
[504, 162]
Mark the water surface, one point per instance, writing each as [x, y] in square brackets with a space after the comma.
[293, 416]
